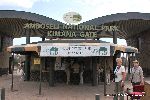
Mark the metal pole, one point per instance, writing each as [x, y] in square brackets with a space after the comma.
[12, 78]
[129, 63]
[105, 77]
[40, 77]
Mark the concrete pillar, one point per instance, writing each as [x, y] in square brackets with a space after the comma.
[51, 71]
[94, 71]
[5, 42]
[27, 62]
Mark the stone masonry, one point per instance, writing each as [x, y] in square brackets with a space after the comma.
[4, 55]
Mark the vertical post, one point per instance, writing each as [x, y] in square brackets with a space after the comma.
[2, 94]
[115, 42]
[128, 57]
[27, 62]
[10, 65]
[114, 37]
[91, 69]
[40, 76]
[129, 64]
[43, 38]
[51, 71]
[114, 61]
[94, 69]
[116, 55]
[12, 78]
[105, 77]
[97, 97]
[27, 39]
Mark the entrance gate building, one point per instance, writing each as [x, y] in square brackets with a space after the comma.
[133, 27]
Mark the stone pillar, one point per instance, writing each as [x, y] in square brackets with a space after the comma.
[51, 70]
[142, 42]
[4, 55]
[94, 71]
[27, 62]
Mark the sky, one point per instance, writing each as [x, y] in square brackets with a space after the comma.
[88, 9]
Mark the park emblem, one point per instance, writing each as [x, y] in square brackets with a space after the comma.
[72, 17]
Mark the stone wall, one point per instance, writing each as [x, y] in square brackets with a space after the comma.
[142, 42]
[4, 55]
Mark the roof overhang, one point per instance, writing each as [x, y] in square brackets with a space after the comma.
[87, 48]
[12, 23]
[129, 24]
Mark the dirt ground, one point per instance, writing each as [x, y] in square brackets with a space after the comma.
[29, 90]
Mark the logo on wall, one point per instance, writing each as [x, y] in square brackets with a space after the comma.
[72, 17]
[53, 51]
[101, 51]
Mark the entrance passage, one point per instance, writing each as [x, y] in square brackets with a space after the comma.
[72, 70]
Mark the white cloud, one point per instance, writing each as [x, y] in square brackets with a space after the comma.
[98, 8]
[20, 3]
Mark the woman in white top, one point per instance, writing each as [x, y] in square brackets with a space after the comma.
[119, 79]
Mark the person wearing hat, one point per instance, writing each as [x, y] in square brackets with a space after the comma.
[136, 74]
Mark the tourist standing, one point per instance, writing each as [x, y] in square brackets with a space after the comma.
[119, 79]
[136, 74]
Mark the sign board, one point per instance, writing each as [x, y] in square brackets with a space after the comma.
[70, 50]
[70, 31]
[37, 61]
[72, 17]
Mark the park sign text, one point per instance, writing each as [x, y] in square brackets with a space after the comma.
[73, 49]
[71, 31]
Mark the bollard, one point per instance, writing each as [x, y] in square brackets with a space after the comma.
[2, 94]
[97, 97]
